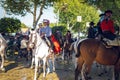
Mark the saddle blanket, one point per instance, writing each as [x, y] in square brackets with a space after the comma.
[115, 42]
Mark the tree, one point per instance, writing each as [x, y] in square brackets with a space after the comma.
[22, 7]
[69, 10]
[103, 5]
[23, 25]
[9, 25]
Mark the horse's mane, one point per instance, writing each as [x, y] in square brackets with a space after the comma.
[39, 39]
[77, 45]
[2, 38]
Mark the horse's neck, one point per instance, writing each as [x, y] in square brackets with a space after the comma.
[2, 38]
[39, 40]
[3, 41]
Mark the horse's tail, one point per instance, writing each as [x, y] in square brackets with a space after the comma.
[78, 50]
[77, 45]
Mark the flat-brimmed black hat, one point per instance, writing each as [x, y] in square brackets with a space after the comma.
[91, 23]
[108, 11]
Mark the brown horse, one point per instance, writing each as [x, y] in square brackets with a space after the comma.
[90, 50]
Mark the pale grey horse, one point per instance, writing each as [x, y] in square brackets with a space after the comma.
[3, 45]
[41, 52]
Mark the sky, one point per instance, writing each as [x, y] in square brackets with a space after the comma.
[28, 19]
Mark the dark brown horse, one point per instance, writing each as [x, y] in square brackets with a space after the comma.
[90, 50]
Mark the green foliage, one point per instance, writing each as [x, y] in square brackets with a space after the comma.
[9, 25]
[104, 5]
[22, 7]
[63, 29]
[23, 25]
[69, 10]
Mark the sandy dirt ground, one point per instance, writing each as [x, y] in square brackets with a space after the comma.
[19, 70]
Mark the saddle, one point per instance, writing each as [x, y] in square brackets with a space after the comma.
[107, 42]
[110, 43]
[49, 44]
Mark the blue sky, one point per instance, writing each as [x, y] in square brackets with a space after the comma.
[28, 19]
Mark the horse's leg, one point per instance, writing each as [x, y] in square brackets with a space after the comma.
[33, 60]
[83, 72]
[77, 71]
[44, 66]
[36, 67]
[78, 67]
[116, 75]
[63, 54]
[2, 64]
[53, 61]
[113, 73]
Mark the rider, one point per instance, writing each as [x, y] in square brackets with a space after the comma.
[46, 32]
[107, 26]
[40, 25]
[68, 36]
[91, 30]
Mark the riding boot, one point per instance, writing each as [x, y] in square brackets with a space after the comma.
[105, 43]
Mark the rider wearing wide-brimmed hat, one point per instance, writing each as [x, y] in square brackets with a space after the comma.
[46, 33]
[107, 26]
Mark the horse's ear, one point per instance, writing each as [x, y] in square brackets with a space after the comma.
[30, 31]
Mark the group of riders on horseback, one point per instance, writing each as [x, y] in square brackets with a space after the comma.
[104, 30]
[53, 40]
[105, 33]
[102, 46]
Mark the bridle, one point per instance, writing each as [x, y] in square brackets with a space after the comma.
[31, 42]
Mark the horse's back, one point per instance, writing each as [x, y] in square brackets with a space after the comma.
[90, 44]
[89, 48]
[94, 50]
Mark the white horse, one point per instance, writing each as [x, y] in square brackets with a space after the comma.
[3, 45]
[41, 52]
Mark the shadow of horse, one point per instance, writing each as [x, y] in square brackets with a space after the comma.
[90, 50]
[11, 66]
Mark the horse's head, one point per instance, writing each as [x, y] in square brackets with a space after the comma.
[32, 39]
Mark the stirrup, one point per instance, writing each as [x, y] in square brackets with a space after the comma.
[106, 45]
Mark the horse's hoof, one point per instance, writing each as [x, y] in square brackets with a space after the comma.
[48, 72]
[53, 69]
[31, 67]
[3, 69]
